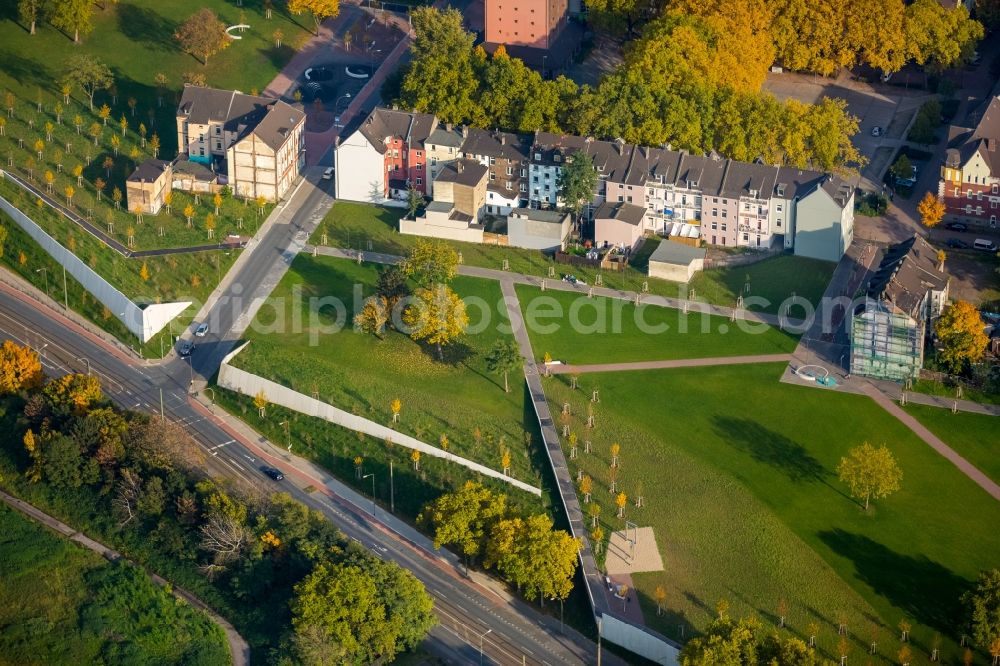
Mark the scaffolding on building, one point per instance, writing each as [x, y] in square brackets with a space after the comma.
[886, 343]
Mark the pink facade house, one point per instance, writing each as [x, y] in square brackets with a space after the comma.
[618, 224]
[531, 23]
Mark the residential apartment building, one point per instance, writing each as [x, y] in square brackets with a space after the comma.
[700, 198]
[255, 144]
[904, 297]
[386, 156]
[970, 176]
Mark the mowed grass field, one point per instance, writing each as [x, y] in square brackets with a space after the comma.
[135, 38]
[60, 604]
[353, 225]
[360, 373]
[737, 475]
[976, 437]
[576, 329]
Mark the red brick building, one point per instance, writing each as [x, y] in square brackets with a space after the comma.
[970, 175]
[531, 23]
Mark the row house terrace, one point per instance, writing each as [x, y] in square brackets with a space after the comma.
[505, 154]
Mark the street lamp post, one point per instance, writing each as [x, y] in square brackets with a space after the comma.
[481, 637]
[372, 475]
[191, 369]
[87, 361]
[45, 273]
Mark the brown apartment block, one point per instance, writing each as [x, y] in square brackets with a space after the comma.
[532, 23]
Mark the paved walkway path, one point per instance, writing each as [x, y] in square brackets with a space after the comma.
[933, 440]
[558, 285]
[566, 369]
[894, 391]
[238, 648]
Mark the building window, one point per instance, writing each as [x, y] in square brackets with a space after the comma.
[779, 222]
[524, 188]
[778, 208]
[620, 198]
[510, 171]
[395, 153]
[434, 161]
[493, 176]
[218, 146]
[968, 209]
[996, 188]
[420, 181]
[723, 227]
[723, 214]
[746, 238]
[218, 129]
[419, 154]
[509, 185]
[958, 191]
[420, 167]
[715, 212]
[715, 225]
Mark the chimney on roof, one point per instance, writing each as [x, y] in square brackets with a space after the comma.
[465, 131]
[503, 139]
[991, 145]
[459, 166]
[448, 126]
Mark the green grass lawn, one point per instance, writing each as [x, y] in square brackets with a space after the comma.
[604, 330]
[973, 436]
[737, 477]
[62, 604]
[136, 39]
[64, 150]
[354, 225]
[363, 374]
[933, 387]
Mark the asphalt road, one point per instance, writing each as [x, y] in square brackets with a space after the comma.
[465, 610]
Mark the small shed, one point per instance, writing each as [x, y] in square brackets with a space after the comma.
[147, 186]
[618, 224]
[190, 176]
[676, 262]
[545, 230]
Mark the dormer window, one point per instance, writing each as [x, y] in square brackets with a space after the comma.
[538, 157]
[753, 194]
[556, 157]
[781, 190]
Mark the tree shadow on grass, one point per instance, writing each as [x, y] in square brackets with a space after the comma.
[146, 27]
[278, 55]
[771, 448]
[454, 354]
[23, 70]
[923, 589]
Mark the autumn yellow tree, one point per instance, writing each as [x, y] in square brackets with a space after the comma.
[73, 392]
[870, 472]
[395, 406]
[415, 457]
[660, 594]
[594, 511]
[144, 272]
[586, 487]
[373, 317]
[444, 442]
[260, 402]
[189, 214]
[437, 316]
[931, 210]
[621, 499]
[962, 336]
[20, 368]
[320, 10]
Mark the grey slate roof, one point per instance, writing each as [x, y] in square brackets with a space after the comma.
[405, 125]
[240, 114]
[463, 172]
[622, 211]
[278, 124]
[908, 270]
[506, 145]
[148, 171]
[196, 170]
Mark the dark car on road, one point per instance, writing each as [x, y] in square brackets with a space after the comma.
[956, 226]
[186, 348]
[272, 472]
[957, 244]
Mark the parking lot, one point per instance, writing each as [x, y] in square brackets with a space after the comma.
[887, 107]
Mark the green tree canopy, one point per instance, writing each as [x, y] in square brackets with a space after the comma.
[577, 182]
[89, 75]
[982, 606]
[503, 358]
[431, 262]
[870, 472]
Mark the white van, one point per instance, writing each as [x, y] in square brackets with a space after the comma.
[983, 244]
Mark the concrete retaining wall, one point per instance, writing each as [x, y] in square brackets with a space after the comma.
[241, 381]
[640, 640]
[142, 322]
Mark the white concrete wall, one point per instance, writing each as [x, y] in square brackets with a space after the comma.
[360, 170]
[142, 322]
[241, 381]
[447, 229]
[675, 272]
[639, 640]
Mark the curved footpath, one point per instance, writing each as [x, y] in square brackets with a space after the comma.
[238, 648]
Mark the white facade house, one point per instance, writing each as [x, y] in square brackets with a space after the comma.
[359, 169]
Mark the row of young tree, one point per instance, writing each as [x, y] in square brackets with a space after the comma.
[524, 550]
[728, 641]
[291, 582]
[664, 93]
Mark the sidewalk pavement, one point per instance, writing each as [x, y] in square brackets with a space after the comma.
[565, 369]
[558, 285]
[933, 440]
[239, 649]
[894, 391]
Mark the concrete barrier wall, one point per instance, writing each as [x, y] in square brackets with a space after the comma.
[644, 642]
[241, 381]
[142, 322]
